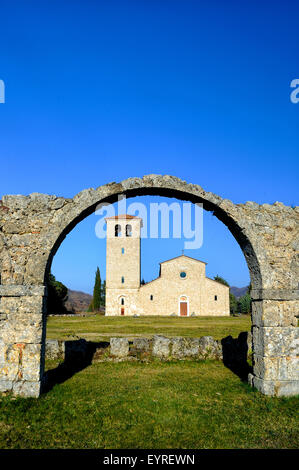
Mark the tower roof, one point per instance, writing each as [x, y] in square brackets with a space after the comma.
[123, 216]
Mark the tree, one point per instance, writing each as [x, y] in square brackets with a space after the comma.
[233, 303]
[97, 293]
[245, 303]
[221, 280]
[57, 296]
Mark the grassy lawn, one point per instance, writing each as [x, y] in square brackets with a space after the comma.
[156, 405]
[177, 404]
[99, 328]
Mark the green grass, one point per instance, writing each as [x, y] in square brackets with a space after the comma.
[155, 405]
[98, 328]
[182, 404]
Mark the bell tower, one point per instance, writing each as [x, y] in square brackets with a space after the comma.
[122, 264]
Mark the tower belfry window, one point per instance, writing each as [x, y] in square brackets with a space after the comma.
[117, 230]
[122, 280]
[128, 230]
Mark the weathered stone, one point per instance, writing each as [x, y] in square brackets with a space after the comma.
[276, 368]
[27, 389]
[275, 341]
[141, 344]
[275, 313]
[119, 347]
[5, 385]
[184, 347]
[209, 347]
[22, 305]
[276, 387]
[22, 328]
[161, 346]
[24, 290]
[55, 349]
[31, 361]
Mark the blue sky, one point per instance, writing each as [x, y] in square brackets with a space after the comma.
[97, 91]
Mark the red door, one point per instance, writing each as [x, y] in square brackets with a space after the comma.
[122, 311]
[183, 309]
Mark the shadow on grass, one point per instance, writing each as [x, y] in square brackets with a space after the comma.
[78, 355]
[235, 355]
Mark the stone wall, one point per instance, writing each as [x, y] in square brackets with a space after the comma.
[157, 347]
[33, 227]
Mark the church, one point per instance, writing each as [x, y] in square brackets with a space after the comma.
[182, 288]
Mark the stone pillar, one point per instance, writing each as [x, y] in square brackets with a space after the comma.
[276, 347]
[22, 339]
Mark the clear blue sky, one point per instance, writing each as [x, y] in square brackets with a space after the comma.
[97, 91]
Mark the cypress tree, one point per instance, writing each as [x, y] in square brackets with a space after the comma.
[96, 301]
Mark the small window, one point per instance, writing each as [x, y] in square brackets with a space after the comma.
[117, 230]
[215, 297]
[151, 297]
[122, 251]
[122, 279]
[183, 274]
[128, 230]
[122, 301]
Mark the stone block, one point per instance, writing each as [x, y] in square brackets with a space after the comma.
[184, 347]
[27, 389]
[161, 346]
[119, 347]
[141, 344]
[24, 305]
[276, 341]
[31, 362]
[22, 328]
[55, 349]
[276, 368]
[268, 313]
[209, 347]
[5, 385]
[276, 387]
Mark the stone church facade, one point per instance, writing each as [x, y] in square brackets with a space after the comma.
[181, 289]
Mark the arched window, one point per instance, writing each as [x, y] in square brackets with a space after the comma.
[122, 280]
[122, 301]
[117, 230]
[128, 230]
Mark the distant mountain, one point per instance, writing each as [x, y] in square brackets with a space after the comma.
[238, 291]
[77, 301]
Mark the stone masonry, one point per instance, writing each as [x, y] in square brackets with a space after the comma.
[33, 227]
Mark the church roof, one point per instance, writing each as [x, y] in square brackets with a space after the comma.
[183, 256]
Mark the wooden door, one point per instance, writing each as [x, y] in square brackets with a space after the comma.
[122, 311]
[183, 309]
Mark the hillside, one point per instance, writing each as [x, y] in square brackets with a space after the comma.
[238, 291]
[77, 301]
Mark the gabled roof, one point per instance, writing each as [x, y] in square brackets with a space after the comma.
[183, 256]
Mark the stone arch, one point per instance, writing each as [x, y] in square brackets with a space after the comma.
[33, 227]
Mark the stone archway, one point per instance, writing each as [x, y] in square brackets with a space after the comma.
[33, 227]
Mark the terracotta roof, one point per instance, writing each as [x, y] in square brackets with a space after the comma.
[122, 216]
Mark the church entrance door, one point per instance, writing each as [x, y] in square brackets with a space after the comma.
[183, 309]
